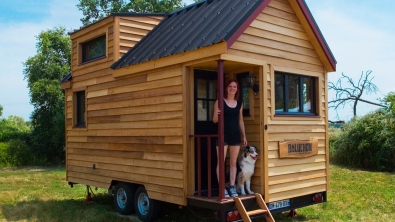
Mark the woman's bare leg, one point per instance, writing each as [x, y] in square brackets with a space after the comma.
[234, 153]
[225, 149]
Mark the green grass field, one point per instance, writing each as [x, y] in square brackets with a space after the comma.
[42, 194]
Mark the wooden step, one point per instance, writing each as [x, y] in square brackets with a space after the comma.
[256, 212]
[246, 216]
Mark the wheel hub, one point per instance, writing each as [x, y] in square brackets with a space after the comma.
[143, 204]
[121, 198]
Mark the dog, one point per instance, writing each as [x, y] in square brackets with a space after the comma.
[245, 170]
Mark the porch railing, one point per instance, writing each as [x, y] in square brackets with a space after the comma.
[198, 139]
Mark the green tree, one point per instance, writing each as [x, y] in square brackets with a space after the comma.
[94, 10]
[13, 127]
[43, 73]
[1, 110]
[390, 100]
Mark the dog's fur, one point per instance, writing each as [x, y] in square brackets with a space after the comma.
[246, 170]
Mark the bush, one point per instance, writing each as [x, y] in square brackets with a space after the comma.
[367, 142]
[15, 153]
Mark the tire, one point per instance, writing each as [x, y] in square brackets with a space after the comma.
[146, 209]
[124, 198]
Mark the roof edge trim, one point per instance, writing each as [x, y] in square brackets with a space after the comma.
[232, 39]
[136, 14]
[317, 32]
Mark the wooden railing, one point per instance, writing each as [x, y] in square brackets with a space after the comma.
[198, 139]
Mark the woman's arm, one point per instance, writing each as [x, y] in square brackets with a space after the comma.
[241, 124]
[216, 112]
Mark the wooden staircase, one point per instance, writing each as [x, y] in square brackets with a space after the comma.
[246, 215]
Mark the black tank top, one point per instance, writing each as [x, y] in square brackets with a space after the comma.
[231, 124]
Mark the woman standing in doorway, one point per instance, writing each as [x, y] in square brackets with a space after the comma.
[233, 128]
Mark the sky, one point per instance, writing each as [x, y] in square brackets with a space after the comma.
[360, 34]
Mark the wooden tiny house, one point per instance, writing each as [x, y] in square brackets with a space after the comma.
[139, 101]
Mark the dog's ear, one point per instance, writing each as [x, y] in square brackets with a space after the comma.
[256, 150]
[246, 150]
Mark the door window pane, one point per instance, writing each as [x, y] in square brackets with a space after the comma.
[212, 87]
[201, 89]
[202, 110]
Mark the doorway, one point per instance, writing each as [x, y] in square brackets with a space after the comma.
[205, 95]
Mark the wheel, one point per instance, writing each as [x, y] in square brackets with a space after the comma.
[124, 198]
[146, 209]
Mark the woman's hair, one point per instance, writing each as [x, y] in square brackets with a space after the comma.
[226, 87]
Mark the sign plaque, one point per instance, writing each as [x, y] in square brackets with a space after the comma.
[298, 148]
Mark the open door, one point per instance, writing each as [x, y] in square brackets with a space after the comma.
[205, 95]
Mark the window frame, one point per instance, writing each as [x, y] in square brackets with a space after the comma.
[301, 77]
[239, 78]
[78, 102]
[84, 46]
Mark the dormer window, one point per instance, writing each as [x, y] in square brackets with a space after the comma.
[94, 49]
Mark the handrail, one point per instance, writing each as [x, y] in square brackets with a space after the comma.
[199, 173]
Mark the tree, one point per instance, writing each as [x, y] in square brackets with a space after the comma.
[94, 10]
[1, 110]
[43, 73]
[353, 92]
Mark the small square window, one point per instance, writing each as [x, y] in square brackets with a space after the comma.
[294, 94]
[94, 49]
[80, 109]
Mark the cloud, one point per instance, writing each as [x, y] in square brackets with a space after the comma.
[18, 43]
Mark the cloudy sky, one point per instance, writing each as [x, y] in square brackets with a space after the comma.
[360, 34]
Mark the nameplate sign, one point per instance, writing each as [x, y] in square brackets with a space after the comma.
[298, 148]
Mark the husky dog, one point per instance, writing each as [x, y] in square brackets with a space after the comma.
[247, 165]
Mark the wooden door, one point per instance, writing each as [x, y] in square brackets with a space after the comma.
[205, 95]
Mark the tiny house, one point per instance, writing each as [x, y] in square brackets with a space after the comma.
[140, 95]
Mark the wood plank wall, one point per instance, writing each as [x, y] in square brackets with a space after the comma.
[132, 29]
[134, 127]
[278, 38]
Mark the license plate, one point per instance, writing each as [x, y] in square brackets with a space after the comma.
[279, 204]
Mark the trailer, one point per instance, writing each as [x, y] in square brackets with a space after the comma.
[140, 95]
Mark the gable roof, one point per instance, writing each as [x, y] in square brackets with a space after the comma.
[203, 24]
[198, 25]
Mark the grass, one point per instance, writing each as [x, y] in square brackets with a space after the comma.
[42, 194]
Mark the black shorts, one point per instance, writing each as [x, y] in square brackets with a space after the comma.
[230, 144]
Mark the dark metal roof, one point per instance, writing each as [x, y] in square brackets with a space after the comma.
[195, 26]
[66, 78]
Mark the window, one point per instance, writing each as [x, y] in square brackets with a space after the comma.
[244, 93]
[80, 109]
[94, 49]
[206, 91]
[294, 94]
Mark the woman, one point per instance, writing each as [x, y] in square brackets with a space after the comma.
[233, 128]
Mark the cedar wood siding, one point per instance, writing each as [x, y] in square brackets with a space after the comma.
[134, 126]
[277, 37]
[132, 29]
